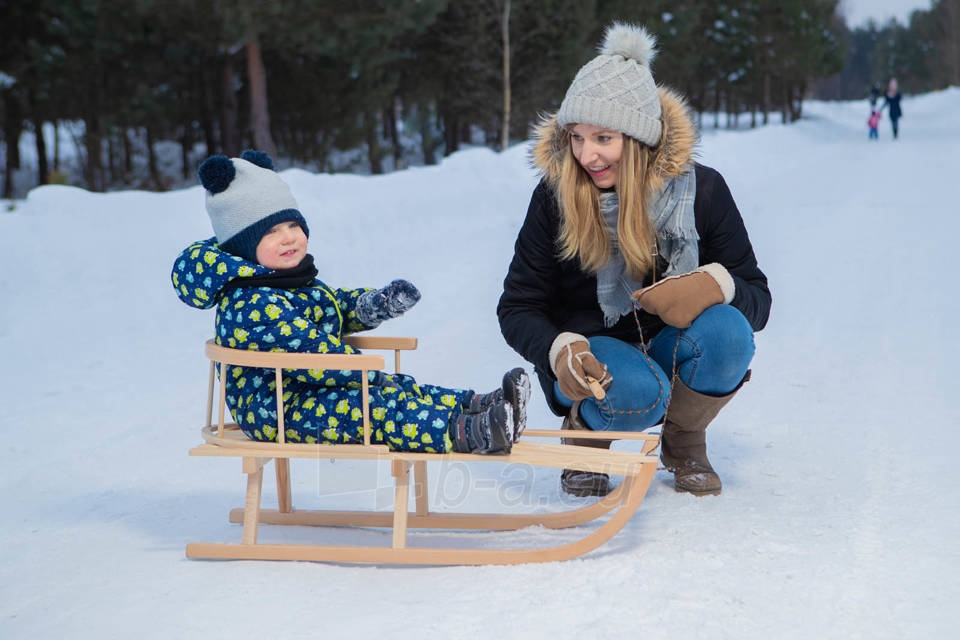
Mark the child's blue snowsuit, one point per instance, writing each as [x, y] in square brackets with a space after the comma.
[318, 405]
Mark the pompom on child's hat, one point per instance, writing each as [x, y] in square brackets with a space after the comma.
[245, 198]
[616, 90]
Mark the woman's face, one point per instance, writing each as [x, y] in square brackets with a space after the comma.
[598, 151]
[283, 246]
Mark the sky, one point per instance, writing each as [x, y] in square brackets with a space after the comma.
[859, 11]
[839, 516]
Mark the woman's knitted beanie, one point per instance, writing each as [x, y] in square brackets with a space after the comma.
[245, 198]
[615, 90]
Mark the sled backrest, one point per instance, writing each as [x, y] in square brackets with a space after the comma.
[226, 357]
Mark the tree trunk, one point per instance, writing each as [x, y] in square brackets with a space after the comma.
[205, 88]
[127, 155]
[152, 163]
[785, 108]
[451, 134]
[796, 100]
[951, 40]
[716, 106]
[505, 36]
[259, 112]
[40, 143]
[427, 144]
[766, 97]
[393, 134]
[43, 167]
[111, 154]
[374, 151]
[186, 144]
[93, 141]
[12, 124]
[56, 145]
[228, 116]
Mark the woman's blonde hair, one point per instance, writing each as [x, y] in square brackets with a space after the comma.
[582, 232]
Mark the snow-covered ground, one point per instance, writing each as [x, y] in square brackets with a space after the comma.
[840, 516]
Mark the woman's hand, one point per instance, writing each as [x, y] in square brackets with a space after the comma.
[575, 367]
[679, 300]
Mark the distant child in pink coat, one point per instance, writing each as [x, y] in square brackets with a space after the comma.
[874, 122]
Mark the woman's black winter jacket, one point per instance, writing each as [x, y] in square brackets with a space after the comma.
[544, 296]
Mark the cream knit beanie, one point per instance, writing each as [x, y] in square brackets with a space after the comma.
[615, 90]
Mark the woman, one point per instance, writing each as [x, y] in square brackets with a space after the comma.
[892, 100]
[633, 267]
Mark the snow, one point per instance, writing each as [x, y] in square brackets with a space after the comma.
[840, 516]
[859, 12]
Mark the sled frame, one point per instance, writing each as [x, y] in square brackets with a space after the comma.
[222, 439]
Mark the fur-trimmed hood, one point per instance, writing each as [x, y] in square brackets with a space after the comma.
[671, 158]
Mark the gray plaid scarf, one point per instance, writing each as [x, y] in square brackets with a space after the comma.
[677, 240]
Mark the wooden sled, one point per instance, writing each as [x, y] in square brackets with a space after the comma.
[222, 439]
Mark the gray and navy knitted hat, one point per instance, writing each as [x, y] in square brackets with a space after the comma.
[615, 90]
[245, 198]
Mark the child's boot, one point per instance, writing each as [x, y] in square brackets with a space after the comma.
[489, 431]
[514, 391]
[479, 402]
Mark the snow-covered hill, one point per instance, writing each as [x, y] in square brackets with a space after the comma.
[840, 516]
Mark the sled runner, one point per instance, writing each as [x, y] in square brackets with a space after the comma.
[227, 440]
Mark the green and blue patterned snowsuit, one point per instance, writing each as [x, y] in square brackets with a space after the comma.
[318, 405]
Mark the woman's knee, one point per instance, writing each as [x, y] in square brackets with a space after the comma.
[637, 397]
[713, 354]
[729, 333]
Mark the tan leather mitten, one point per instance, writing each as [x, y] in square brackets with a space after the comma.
[573, 363]
[678, 300]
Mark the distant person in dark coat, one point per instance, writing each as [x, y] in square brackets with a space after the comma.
[892, 99]
[875, 92]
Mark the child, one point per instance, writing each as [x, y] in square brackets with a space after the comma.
[259, 276]
[874, 122]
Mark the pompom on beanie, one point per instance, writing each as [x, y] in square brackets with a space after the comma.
[245, 198]
[616, 90]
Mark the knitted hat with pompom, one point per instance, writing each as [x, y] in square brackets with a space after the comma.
[245, 198]
[615, 90]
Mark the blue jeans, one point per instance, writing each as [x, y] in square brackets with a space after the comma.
[711, 356]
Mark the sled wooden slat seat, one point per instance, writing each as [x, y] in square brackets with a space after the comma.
[223, 439]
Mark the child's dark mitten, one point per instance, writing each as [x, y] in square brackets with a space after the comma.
[401, 296]
[373, 307]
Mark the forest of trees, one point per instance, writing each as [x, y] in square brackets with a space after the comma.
[375, 85]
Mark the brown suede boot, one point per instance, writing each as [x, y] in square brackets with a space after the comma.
[582, 483]
[683, 440]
